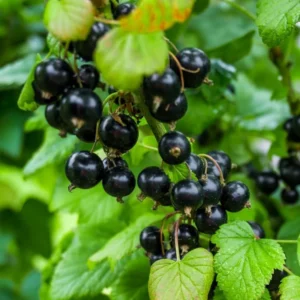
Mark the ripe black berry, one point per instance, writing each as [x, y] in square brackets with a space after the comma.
[172, 112]
[290, 171]
[89, 76]
[119, 182]
[86, 48]
[187, 194]
[212, 190]
[110, 163]
[123, 10]
[257, 230]
[171, 254]
[192, 59]
[267, 182]
[155, 257]
[276, 280]
[154, 182]
[235, 196]
[288, 126]
[165, 200]
[150, 240]
[223, 161]
[86, 133]
[163, 87]
[84, 169]
[117, 136]
[174, 148]
[195, 164]
[81, 107]
[210, 222]
[53, 76]
[289, 196]
[188, 237]
[296, 125]
[40, 97]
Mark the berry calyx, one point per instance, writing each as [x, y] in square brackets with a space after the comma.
[84, 169]
[174, 148]
[85, 49]
[212, 190]
[192, 59]
[118, 182]
[187, 195]
[110, 163]
[40, 97]
[53, 76]
[257, 230]
[89, 76]
[235, 196]
[267, 182]
[210, 221]
[196, 165]
[289, 196]
[150, 240]
[188, 237]
[123, 10]
[121, 137]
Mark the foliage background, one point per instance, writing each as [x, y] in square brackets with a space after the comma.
[241, 114]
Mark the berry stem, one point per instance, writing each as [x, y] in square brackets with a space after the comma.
[171, 44]
[241, 9]
[157, 128]
[288, 270]
[180, 70]
[287, 241]
[107, 21]
[110, 98]
[222, 180]
[177, 223]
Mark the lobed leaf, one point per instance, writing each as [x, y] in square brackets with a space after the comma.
[290, 288]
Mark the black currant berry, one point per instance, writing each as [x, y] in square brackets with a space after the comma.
[86, 48]
[171, 254]
[188, 237]
[174, 148]
[165, 200]
[42, 98]
[187, 194]
[257, 230]
[288, 125]
[154, 182]
[276, 280]
[192, 59]
[89, 76]
[267, 182]
[210, 221]
[195, 164]
[81, 107]
[162, 88]
[289, 128]
[235, 196]
[53, 76]
[172, 112]
[123, 10]
[289, 196]
[212, 190]
[150, 240]
[290, 171]
[118, 136]
[119, 182]
[223, 161]
[296, 125]
[110, 163]
[86, 133]
[155, 257]
[84, 169]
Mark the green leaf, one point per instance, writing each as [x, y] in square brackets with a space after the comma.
[290, 288]
[69, 20]
[276, 19]
[138, 55]
[37, 121]
[290, 231]
[26, 99]
[218, 294]
[53, 150]
[243, 263]
[132, 283]
[53, 44]
[179, 172]
[124, 242]
[189, 278]
[266, 295]
[200, 6]
[298, 249]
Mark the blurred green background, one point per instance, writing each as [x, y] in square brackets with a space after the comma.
[241, 114]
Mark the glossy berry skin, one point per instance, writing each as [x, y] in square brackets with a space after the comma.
[86, 133]
[116, 136]
[196, 165]
[267, 182]
[165, 87]
[85, 49]
[289, 196]
[40, 98]
[290, 171]
[187, 193]
[276, 280]
[296, 125]
[52, 115]
[171, 254]
[212, 190]
[172, 112]
[165, 200]
[123, 10]
[192, 59]
[288, 126]
[257, 230]
[114, 162]
[53, 76]
[188, 237]
[81, 107]
[174, 148]
[84, 169]
[210, 223]
[235, 196]
[89, 76]
[154, 182]
[150, 240]
[223, 160]
[155, 257]
[119, 182]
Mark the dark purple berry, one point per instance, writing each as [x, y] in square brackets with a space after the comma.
[277, 277]
[267, 182]
[171, 254]
[110, 163]
[86, 133]
[123, 10]
[290, 171]
[212, 190]
[289, 196]
[42, 98]
[155, 257]
[223, 161]
[188, 237]
[89, 76]
[150, 240]
[257, 230]
[196, 165]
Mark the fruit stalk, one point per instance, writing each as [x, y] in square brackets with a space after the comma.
[157, 128]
